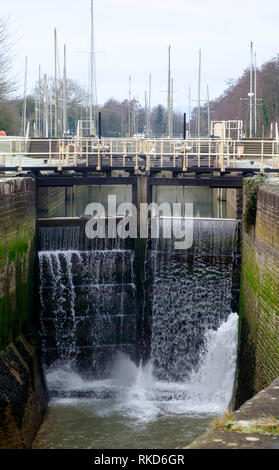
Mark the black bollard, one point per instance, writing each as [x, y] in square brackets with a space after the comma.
[184, 129]
[100, 125]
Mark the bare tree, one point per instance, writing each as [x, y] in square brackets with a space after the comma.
[7, 84]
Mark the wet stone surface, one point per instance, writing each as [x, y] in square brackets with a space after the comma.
[264, 404]
[235, 440]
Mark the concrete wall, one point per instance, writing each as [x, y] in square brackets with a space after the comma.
[23, 397]
[62, 202]
[258, 363]
[51, 202]
[234, 199]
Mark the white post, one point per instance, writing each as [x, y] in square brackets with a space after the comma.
[271, 130]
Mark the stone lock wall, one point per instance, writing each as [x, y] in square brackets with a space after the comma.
[17, 254]
[23, 396]
[258, 363]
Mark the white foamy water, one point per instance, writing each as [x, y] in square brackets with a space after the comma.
[137, 394]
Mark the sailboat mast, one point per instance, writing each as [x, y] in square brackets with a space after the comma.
[55, 83]
[65, 92]
[199, 97]
[169, 94]
[45, 108]
[208, 112]
[256, 98]
[91, 112]
[25, 99]
[251, 93]
[39, 104]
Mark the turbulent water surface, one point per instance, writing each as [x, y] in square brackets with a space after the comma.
[138, 410]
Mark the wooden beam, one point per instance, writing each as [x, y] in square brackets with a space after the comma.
[66, 181]
[212, 182]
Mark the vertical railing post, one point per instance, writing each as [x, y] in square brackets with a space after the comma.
[155, 151]
[100, 125]
[184, 156]
[273, 149]
[111, 154]
[75, 153]
[11, 153]
[228, 155]
[63, 152]
[209, 153]
[60, 155]
[137, 156]
[99, 156]
[87, 150]
[217, 152]
[147, 150]
[222, 157]
[19, 155]
[49, 153]
[162, 153]
[199, 152]
[262, 156]
[67, 155]
[124, 154]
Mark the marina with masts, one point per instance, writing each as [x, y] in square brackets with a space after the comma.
[139, 241]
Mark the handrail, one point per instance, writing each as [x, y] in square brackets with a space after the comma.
[137, 153]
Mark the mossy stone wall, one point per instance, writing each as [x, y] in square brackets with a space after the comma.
[258, 363]
[17, 257]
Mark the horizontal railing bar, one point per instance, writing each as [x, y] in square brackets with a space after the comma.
[127, 153]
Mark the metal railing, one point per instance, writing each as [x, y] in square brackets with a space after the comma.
[62, 153]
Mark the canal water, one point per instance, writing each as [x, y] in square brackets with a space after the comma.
[107, 390]
[141, 412]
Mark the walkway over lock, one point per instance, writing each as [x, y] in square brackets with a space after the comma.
[208, 162]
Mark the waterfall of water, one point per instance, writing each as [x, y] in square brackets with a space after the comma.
[88, 309]
[89, 314]
[191, 294]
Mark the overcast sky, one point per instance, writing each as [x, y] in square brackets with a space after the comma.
[132, 38]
